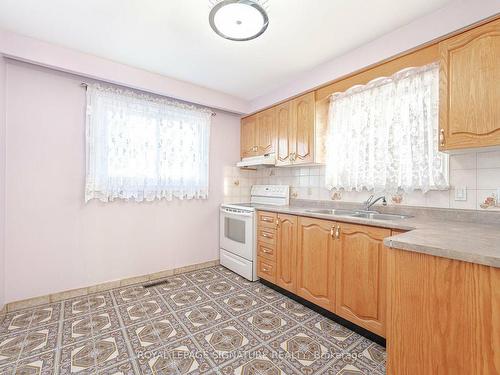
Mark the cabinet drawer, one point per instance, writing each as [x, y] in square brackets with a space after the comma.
[266, 219]
[267, 251]
[266, 269]
[267, 236]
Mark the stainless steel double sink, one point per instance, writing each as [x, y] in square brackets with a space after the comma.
[361, 214]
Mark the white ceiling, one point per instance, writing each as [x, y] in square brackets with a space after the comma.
[173, 37]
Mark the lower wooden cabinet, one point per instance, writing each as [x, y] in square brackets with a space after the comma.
[286, 252]
[316, 261]
[267, 226]
[360, 291]
[439, 316]
[443, 316]
[340, 267]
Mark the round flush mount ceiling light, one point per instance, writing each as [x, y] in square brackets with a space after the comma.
[239, 20]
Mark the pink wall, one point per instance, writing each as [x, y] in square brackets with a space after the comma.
[67, 60]
[455, 15]
[2, 179]
[54, 241]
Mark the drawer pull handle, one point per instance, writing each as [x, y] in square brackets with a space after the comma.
[265, 251]
[266, 219]
[337, 232]
[266, 235]
[332, 231]
[441, 137]
[264, 269]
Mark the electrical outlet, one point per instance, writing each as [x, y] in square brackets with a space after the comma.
[461, 193]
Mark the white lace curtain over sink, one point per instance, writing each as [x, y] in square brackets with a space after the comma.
[141, 147]
[383, 136]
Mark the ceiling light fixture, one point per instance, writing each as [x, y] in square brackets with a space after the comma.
[239, 20]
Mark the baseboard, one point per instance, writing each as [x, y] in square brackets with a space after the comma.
[59, 296]
[328, 314]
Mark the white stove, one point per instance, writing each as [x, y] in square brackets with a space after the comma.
[238, 232]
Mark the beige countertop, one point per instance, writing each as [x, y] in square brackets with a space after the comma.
[467, 241]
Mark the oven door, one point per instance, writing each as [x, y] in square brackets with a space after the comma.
[237, 232]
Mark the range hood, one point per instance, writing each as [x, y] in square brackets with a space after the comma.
[267, 160]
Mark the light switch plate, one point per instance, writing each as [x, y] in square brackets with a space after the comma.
[461, 193]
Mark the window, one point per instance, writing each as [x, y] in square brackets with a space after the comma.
[141, 147]
[383, 136]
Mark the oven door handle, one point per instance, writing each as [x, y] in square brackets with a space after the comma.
[240, 214]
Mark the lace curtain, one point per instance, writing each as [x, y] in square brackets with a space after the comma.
[141, 147]
[383, 136]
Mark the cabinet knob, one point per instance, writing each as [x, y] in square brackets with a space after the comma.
[441, 137]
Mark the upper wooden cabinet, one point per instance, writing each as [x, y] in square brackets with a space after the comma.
[360, 293]
[266, 132]
[258, 134]
[469, 93]
[284, 133]
[286, 251]
[289, 130]
[470, 88]
[247, 137]
[303, 116]
[316, 262]
[296, 131]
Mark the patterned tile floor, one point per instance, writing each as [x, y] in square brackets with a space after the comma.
[203, 322]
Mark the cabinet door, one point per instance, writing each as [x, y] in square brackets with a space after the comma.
[470, 89]
[361, 276]
[266, 132]
[443, 316]
[286, 251]
[304, 114]
[285, 136]
[247, 141]
[316, 261]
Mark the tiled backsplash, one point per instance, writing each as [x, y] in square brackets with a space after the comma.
[478, 171]
[237, 184]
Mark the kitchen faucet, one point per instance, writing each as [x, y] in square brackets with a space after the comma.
[370, 202]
